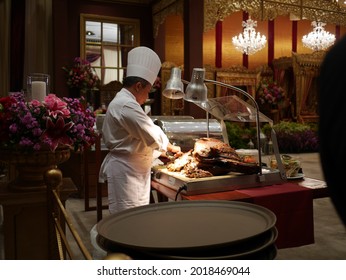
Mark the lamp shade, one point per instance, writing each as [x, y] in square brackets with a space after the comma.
[196, 90]
[174, 87]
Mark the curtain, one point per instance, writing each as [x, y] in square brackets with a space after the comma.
[306, 85]
[109, 63]
[279, 75]
[17, 44]
[92, 57]
[4, 46]
[38, 46]
[111, 57]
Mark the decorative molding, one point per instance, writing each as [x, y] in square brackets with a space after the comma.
[163, 9]
[265, 70]
[309, 60]
[168, 64]
[319, 10]
[238, 75]
[283, 62]
[302, 62]
[238, 69]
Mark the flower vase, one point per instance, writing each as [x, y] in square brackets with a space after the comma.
[31, 167]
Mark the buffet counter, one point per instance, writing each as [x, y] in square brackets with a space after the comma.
[291, 202]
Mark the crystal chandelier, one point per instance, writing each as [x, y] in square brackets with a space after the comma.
[249, 42]
[318, 39]
[340, 3]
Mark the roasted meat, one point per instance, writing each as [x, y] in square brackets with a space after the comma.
[179, 163]
[210, 148]
[211, 157]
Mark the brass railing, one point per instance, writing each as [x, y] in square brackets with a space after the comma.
[61, 220]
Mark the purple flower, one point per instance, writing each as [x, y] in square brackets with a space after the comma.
[81, 75]
[25, 142]
[269, 93]
[34, 125]
[13, 128]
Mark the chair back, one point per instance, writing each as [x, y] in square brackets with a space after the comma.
[108, 92]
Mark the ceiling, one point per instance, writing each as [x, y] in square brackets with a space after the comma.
[141, 2]
[109, 30]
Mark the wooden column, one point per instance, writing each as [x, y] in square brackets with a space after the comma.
[193, 46]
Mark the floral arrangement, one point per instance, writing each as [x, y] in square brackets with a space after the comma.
[33, 126]
[82, 76]
[269, 93]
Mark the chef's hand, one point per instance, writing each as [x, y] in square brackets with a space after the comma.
[173, 149]
[172, 152]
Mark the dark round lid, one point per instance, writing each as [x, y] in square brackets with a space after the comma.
[261, 247]
[184, 225]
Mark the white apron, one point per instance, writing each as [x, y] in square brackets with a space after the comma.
[132, 137]
[128, 180]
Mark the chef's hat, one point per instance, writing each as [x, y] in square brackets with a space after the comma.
[144, 63]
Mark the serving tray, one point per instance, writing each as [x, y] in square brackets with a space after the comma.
[228, 182]
[177, 226]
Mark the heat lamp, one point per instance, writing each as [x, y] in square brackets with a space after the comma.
[222, 107]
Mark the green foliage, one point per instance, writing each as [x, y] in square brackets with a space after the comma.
[294, 137]
[239, 134]
[291, 127]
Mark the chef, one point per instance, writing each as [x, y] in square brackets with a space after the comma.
[131, 136]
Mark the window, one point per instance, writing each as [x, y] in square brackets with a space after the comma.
[105, 42]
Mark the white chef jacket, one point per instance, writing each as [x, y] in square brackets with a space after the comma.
[132, 137]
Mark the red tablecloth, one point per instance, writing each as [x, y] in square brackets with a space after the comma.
[293, 207]
[291, 203]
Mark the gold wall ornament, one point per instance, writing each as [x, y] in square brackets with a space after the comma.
[238, 75]
[218, 10]
[164, 8]
[341, 3]
[318, 10]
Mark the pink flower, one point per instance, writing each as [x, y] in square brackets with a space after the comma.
[81, 75]
[56, 106]
[269, 93]
[56, 133]
[32, 126]
[35, 103]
